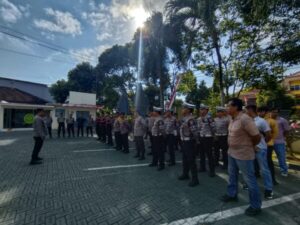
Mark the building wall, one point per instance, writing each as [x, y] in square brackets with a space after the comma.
[82, 98]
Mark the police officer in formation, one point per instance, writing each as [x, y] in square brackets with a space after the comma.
[124, 130]
[150, 122]
[109, 127]
[70, 126]
[61, 125]
[117, 132]
[206, 129]
[158, 134]
[189, 136]
[139, 130]
[222, 122]
[170, 130]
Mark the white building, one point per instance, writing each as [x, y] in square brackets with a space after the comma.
[20, 99]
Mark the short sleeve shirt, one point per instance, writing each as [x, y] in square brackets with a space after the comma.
[263, 127]
[241, 130]
[283, 126]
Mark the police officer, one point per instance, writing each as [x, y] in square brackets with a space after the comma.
[124, 129]
[61, 125]
[158, 147]
[109, 124]
[188, 134]
[103, 128]
[170, 128]
[206, 129]
[139, 130]
[98, 131]
[117, 132]
[221, 143]
[150, 122]
[80, 124]
[89, 126]
[70, 126]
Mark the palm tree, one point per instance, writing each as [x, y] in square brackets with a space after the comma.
[195, 15]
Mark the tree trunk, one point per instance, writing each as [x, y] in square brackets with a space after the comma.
[217, 48]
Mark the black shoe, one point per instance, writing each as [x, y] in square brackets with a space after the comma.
[126, 152]
[245, 187]
[152, 165]
[194, 183]
[136, 156]
[35, 162]
[183, 177]
[150, 153]
[227, 198]
[268, 194]
[202, 170]
[275, 182]
[212, 174]
[142, 158]
[171, 164]
[39, 158]
[252, 212]
[160, 168]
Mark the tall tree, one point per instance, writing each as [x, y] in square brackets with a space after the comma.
[155, 54]
[199, 15]
[60, 91]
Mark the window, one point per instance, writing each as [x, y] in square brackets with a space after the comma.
[292, 88]
[297, 87]
[18, 118]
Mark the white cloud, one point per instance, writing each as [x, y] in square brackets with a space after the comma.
[11, 13]
[116, 23]
[63, 22]
[88, 54]
[104, 36]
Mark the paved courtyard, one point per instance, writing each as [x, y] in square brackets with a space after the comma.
[84, 182]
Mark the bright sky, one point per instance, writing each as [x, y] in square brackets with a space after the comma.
[83, 28]
[79, 29]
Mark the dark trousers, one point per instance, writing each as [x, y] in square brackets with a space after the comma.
[70, 129]
[170, 144]
[140, 146]
[61, 128]
[118, 139]
[50, 131]
[158, 147]
[206, 150]
[151, 142]
[189, 159]
[98, 132]
[80, 130]
[103, 133]
[109, 135]
[38, 144]
[89, 130]
[125, 144]
[221, 143]
[270, 162]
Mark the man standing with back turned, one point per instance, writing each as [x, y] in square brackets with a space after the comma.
[243, 136]
[39, 134]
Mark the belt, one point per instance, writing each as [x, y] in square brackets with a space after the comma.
[157, 135]
[221, 135]
[186, 139]
[206, 136]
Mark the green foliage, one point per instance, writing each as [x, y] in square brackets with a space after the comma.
[275, 98]
[82, 78]
[213, 101]
[60, 91]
